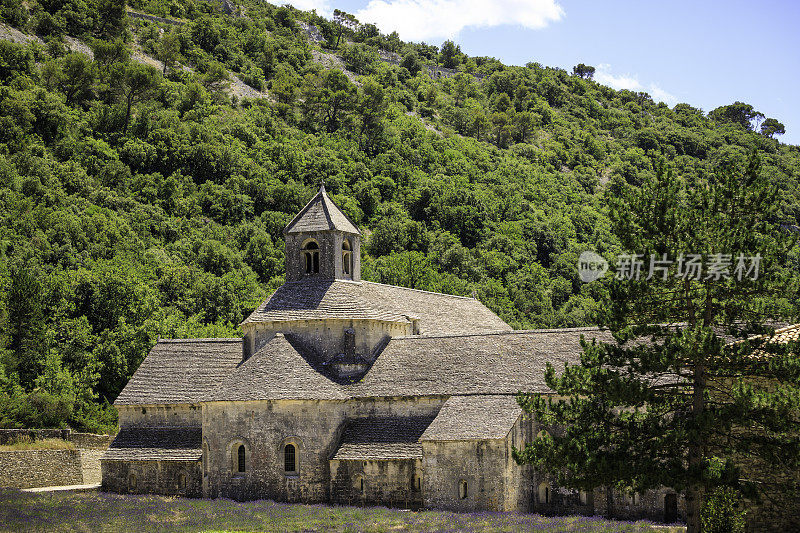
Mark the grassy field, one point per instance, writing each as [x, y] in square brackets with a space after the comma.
[90, 512]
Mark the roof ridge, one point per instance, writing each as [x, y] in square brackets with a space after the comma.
[498, 332]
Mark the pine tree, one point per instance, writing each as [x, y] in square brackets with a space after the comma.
[671, 403]
[25, 325]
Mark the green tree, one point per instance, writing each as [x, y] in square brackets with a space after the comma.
[329, 97]
[683, 408]
[450, 55]
[73, 75]
[169, 48]
[371, 109]
[736, 113]
[343, 21]
[112, 18]
[26, 324]
[411, 62]
[584, 71]
[772, 127]
[134, 82]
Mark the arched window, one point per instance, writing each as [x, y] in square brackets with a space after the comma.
[347, 258]
[182, 481]
[583, 497]
[205, 459]
[289, 459]
[240, 454]
[462, 489]
[544, 493]
[416, 485]
[311, 257]
[132, 482]
[358, 484]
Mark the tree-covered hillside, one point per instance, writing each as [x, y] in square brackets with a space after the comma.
[147, 170]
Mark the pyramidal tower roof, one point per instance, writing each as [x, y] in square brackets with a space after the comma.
[321, 214]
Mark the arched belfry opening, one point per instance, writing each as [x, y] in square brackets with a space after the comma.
[311, 257]
[347, 258]
[322, 243]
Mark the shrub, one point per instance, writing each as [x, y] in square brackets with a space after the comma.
[722, 512]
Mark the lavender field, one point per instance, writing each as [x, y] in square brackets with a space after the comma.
[90, 512]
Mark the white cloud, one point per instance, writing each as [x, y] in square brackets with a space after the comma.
[419, 20]
[627, 81]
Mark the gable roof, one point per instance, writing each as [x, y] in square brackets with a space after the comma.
[155, 443]
[276, 372]
[486, 364]
[181, 371]
[382, 438]
[474, 418]
[438, 313]
[322, 299]
[320, 214]
[503, 362]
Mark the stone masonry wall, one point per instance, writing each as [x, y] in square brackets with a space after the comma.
[153, 477]
[326, 336]
[480, 463]
[330, 255]
[388, 483]
[24, 469]
[160, 415]
[314, 427]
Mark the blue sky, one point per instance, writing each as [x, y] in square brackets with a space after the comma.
[704, 53]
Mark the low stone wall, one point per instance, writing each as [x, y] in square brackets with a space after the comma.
[153, 18]
[24, 469]
[90, 440]
[8, 436]
[81, 440]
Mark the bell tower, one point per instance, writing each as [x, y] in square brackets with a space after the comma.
[322, 243]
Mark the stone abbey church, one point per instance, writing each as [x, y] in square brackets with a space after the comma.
[351, 392]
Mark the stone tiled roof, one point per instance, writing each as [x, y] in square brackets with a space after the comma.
[786, 335]
[382, 438]
[320, 299]
[181, 371]
[783, 335]
[276, 372]
[321, 214]
[323, 299]
[488, 363]
[474, 418]
[156, 443]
